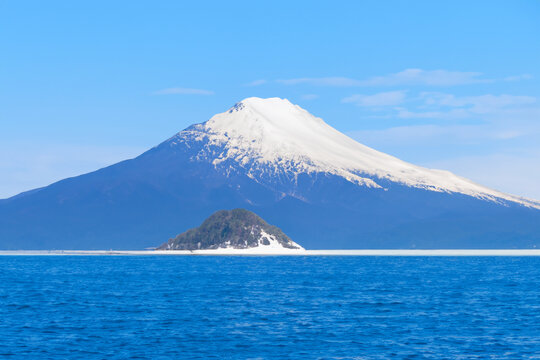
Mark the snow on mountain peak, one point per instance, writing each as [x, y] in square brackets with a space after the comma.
[275, 136]
[278, 115]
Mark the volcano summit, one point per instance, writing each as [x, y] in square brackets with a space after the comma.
[322, 188]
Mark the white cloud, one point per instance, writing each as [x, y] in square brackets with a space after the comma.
[402, 78]
[448, 106]
[403, 113]
[407, 77]
[436, 105]
[518, 77]
[426, 77]
[389, 98]
[256, 83]
[477, 104]
[508, 134]
[183, 91]
[429, 135]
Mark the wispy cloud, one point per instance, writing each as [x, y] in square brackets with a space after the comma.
[404, 113]
[427, 78]
[426, 135]
[518, 77]
[407, 77]
[510, 114]
[256, 83]
[477, 104]
[389, 98]
[309, 97]
[183, 91]
[438, 105]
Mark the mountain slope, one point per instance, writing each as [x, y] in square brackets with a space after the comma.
[322, 188]
[276, 137]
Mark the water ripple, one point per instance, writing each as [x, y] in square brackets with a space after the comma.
[269, 307]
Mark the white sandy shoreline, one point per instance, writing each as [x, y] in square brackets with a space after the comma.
[258, 252]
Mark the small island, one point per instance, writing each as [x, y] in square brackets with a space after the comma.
[232, 229]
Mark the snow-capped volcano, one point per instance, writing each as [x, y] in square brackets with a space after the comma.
[273, 137]
[324, 190]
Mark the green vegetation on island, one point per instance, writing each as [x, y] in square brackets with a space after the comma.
[232, 229]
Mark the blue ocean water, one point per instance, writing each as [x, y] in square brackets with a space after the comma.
[187, 307]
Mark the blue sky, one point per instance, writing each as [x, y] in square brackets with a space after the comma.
[452, 85]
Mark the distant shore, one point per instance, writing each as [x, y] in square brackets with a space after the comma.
[258, 252]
